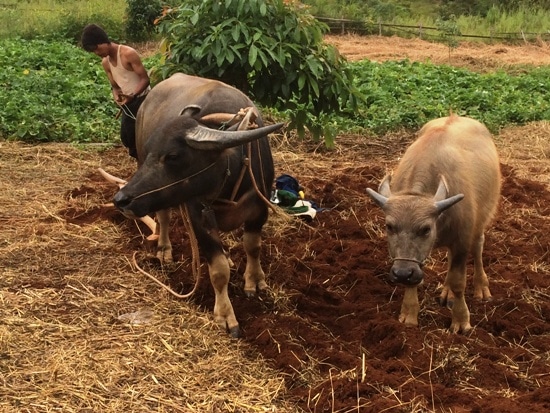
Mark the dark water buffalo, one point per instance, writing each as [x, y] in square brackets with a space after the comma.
[443, 194]
[221, 176]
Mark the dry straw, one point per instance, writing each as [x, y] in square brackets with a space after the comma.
[80, 331]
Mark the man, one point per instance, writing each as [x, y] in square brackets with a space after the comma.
[129, 80]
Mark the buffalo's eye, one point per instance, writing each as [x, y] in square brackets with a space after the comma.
[424, 231]
[171, 157]
[390, 228]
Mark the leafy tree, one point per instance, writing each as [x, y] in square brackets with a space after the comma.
[448, 32]
[272, 50]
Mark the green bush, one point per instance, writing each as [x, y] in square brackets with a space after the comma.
[71, 27]
[140, 18]
[270, 49]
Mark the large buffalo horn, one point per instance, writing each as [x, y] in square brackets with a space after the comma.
[203, 138]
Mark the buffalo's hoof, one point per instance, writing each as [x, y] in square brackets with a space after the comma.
[464, 328]
[250, 293]
[235, 332]
[408, 320]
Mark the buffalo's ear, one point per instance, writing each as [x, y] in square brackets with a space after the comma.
[442, 189]
[384, 187]
[190, 110]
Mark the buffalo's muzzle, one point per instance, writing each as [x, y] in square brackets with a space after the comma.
[122, 202]
[408, 273]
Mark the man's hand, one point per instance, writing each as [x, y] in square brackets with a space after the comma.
[125, 99]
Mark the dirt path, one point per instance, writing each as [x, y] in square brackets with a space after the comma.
[473, 55]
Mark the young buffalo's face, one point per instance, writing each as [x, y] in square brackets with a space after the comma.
[411, 233]
[411, 227]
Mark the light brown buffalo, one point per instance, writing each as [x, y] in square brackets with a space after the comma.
[443, 193]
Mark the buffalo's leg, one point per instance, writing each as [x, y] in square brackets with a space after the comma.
[254, 276]
[447, 297]
[410, 307]
[454, 286]
[164, 247]
[481, 282]
[224, 315]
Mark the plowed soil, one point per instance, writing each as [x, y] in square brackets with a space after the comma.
[339, 314]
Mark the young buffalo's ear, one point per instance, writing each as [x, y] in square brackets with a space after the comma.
[384, 187]
[442, 189]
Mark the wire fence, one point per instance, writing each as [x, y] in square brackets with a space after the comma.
[344, 26]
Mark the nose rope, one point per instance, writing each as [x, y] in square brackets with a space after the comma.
[420, 263]
[152, 191]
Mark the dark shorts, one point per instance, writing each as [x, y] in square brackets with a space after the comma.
[128, 125]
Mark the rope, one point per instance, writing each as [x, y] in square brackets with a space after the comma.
[127, 112]
[152, 191]
[253, 179]
[420, 263]
[195, 262]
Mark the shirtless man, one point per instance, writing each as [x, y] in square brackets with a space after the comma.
[129, 80]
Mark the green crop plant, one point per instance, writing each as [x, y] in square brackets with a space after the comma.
[53, 91]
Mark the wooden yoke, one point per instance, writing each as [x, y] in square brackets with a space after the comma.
[242, 120]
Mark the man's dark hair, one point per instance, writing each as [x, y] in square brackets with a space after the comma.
[92, 35]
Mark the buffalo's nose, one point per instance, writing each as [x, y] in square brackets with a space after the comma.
[400, 274]
[406, 274]
[121, 200]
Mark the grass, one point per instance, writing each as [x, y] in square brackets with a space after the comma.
[498, 22]
[53, 18]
